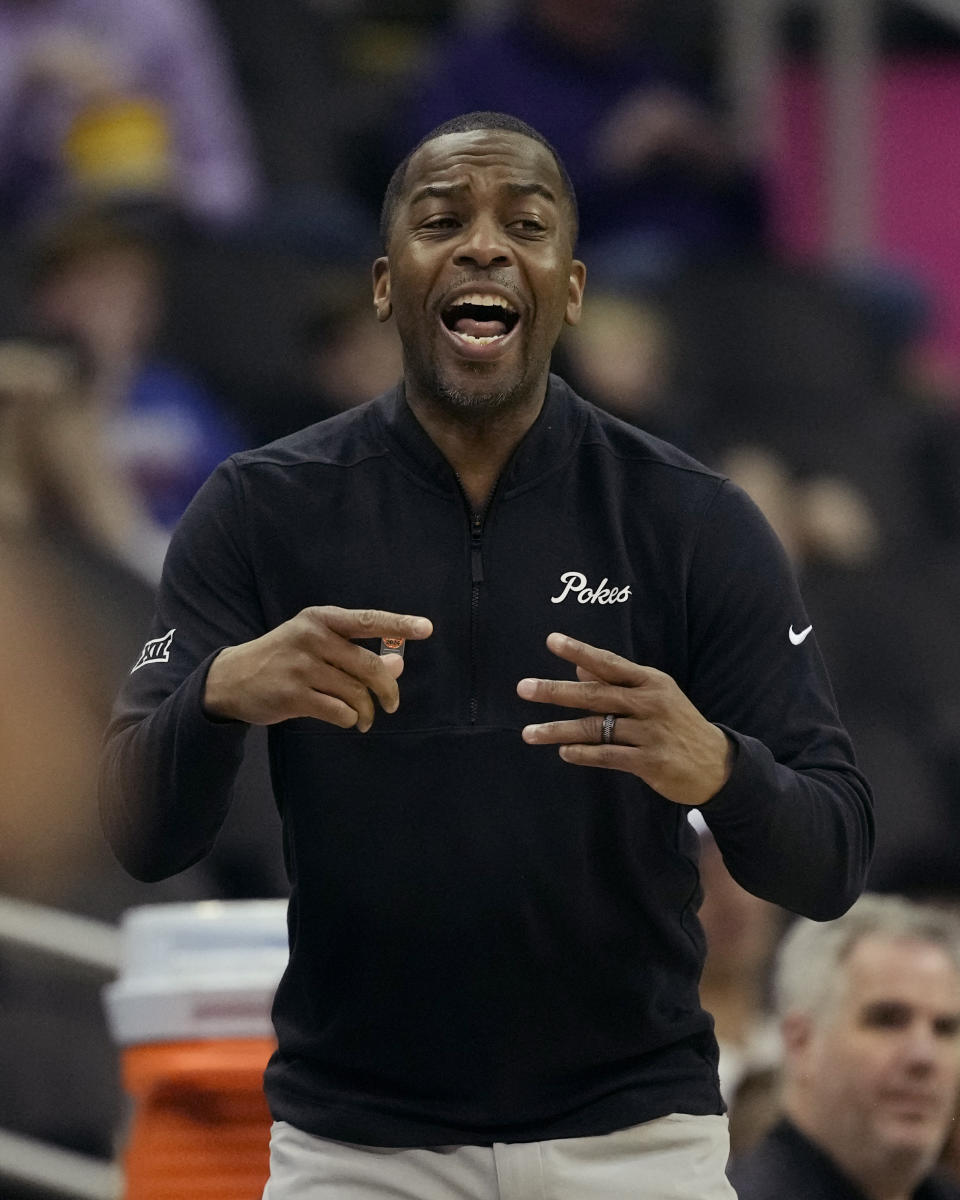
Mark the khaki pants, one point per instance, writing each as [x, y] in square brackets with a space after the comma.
[677, 1157]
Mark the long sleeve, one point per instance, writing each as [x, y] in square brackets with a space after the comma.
[795, 820]
[167, 770]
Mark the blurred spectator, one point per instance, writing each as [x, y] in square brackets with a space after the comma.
[58, 480]
[108, 99]
[294, 71]
[784, 385]
[870, 1012]
[349, 355]
[73, 617]
[819, 518]
[620, 356]
[344, 355]
[50, 730]
[74, 611]
[101, 281]
[932, 389]
[777, 357]
[656, 178]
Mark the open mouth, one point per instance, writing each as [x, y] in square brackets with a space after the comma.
[480, 318]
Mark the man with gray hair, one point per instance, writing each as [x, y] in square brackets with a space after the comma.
[870, 1015]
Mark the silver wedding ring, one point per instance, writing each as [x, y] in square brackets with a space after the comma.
[606, 729]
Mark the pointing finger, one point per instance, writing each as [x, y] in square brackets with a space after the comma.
[375, 623]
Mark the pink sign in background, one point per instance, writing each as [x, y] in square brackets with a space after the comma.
[915, 148]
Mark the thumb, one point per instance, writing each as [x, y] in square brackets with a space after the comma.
[394, 664]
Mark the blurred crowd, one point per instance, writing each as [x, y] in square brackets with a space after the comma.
[189, 193]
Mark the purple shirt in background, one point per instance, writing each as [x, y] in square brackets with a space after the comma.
[518, 68]
[167, 51]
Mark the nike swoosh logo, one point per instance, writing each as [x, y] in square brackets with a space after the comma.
[797, 638]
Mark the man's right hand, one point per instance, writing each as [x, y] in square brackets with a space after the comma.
[310, 667]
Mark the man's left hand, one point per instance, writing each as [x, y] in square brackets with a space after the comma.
[659, 735]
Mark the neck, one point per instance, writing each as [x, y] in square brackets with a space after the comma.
[896, 1177]
[477, 442]
[887, 1182]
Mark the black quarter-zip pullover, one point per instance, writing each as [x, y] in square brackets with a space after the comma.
[489, 944]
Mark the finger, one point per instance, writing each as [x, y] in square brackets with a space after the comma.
[374, 623]
[367, 670]
[585, 677]
[305, 701]
[613, 758]
[328, 645]
[595, 695]
[603, 664]
[327, 680]
[393, 663]
[588, 730]
[330, 709]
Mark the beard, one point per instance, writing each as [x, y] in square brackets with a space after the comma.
[458, 396]
[464, 401]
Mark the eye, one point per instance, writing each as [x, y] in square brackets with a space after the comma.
[886, 1015]
[528, 225]
[440, 223]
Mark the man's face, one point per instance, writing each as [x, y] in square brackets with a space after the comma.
[479, 271]
[880, 1075]
[111, 300]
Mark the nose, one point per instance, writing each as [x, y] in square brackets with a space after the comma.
[483, 244]
[923, 1050]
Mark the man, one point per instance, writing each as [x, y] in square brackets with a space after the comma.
[492, 989]
[870, 1008]
[100, 280]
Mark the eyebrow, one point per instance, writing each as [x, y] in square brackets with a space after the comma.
[440, 190]
[444, 190]
[531, 189]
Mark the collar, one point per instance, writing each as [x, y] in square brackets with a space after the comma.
[824, 1177]
[545, 447]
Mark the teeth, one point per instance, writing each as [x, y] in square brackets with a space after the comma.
[480, 341]
[479, 298]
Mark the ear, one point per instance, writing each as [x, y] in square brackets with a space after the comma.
[575, 286]
[381, 289]
[797, 1031]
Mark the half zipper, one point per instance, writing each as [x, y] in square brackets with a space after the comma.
[476, 579]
